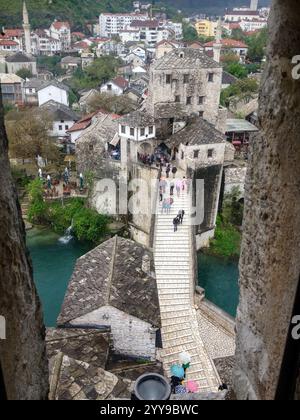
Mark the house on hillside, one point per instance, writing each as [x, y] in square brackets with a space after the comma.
[62, 32]
[63, 118]
[53, 91]
[116, 86]
[119, 292]
[70, 63]
[21, 61]
[30, 88]
[11, 88]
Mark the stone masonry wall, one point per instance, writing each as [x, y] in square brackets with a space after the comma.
[270, 258]
[131, 336]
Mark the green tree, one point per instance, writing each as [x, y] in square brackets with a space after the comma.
[189, 33]
[240, 90]
[237, 70]
[24, 74]
[257, 45]
[37, 207]
[28, 136]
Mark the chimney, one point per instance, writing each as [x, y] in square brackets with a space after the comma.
[146, 264]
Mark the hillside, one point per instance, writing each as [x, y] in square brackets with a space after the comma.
[42, 12]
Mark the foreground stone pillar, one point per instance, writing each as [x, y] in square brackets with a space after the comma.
[270, 260]
[22, 354]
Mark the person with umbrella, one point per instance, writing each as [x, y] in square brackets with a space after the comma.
[81, 180]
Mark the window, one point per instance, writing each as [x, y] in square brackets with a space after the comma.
[201, 114]
[62, 121]
[142, 132]
[66, 127]
[177, 98]
[189, 100]
[186, 79]
[196, 154]
[109, 87]
[123, 129]
[210, 77]
[91, 147]
[60, 127]
[168, 79]
[132, 131]
[210, 153]
[201, 100]
[151, 130]
[182, 155]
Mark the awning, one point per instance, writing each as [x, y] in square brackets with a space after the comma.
[239, 126]
[115, 140]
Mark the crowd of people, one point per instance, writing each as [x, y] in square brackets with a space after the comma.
[52, 185]
[167, 190]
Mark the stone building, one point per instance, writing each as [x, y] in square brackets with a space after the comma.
[83, 366]
[202, 152]
[183, 83]
[20, 61]
[114, 286]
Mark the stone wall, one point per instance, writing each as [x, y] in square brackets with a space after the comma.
[131, 336]
[270, 258]
[22, 355]
[235, 177]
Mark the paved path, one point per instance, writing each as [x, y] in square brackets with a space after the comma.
[180, 332]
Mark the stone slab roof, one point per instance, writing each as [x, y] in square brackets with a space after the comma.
[20, 58]
[112, 274]
[228, 79]
[137, 119]
[59, 112]
[56, 84]
[33, 83]
[185, 58]
[89, 346]
[197, 132]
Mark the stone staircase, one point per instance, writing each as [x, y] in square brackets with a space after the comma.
[173, 263]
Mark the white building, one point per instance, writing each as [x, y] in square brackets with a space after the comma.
[62, 32]
[253, 25]
[130, 35]
[53, 91]
[112, 23]
[116, 86]
[239, 15]
[42, 44]
[8, 46]
[62, 117]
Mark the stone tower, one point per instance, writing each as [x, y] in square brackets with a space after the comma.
[218, 44]
[26, 27]
[254, 5]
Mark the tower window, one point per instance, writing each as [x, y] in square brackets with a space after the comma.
[210, 153]
[168, 79]
[132, 131]
[196, 154]
[142, 132]
[189, 100]
[177, 98]
[211, 77]
[123, 129]
[201, 100]
[186, 79]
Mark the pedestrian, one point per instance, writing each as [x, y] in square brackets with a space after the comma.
[176, 223]
[164, 206]
[178, 187]
[172, 186]
[184, 184]
[49, 183]
[174, 171]
[81, 180]
[40, 174]
[181, 216]
[168, 170]
[160, 195]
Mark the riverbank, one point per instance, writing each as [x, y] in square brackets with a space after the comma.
[53, 264]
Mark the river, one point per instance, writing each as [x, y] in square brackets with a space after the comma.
[53, 264]
[219, 278]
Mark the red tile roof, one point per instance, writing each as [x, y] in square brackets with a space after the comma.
[121, 82]
[58, 25]
[8, 42]
[228, 43]
[11, 33]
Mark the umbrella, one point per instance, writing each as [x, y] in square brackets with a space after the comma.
[178, 371]
[180, 389]
[185, 358]
[192, 386]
